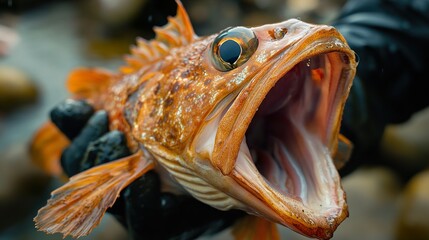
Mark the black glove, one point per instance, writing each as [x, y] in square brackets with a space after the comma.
[147, 212]
[391, 39]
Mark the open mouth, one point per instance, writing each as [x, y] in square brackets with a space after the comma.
[283, 143]
[293, 133]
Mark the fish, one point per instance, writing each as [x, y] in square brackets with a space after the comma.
[248, 118]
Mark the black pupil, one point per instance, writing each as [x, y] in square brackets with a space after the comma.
[229, 51]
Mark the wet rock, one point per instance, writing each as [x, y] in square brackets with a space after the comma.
[406, 144]
[413, 219]
[16, 89]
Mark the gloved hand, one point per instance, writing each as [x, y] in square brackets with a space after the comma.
[390, 38]
[142, 208]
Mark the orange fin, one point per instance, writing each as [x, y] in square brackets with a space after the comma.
[46, 148]
[78, 206]
[177, 32]
[255, 228]
[87, 82]
[343, 152]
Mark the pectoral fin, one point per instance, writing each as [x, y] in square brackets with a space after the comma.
[254, 228]
[46, 148]
[78, 206]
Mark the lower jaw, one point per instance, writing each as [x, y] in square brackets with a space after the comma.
[288, 210]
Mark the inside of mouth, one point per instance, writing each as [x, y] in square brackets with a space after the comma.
[289, 138]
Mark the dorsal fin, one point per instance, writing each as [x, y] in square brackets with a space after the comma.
[88, 82]
[177, 32]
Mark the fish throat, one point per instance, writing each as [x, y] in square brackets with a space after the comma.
[291, 134]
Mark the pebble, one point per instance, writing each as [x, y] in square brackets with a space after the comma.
[16, 89]
[414, 210]
[406, 144]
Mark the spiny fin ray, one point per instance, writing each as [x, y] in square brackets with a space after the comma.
[78, 206]
[177, 32]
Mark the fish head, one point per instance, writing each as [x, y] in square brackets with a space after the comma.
[253, 122]
[275, 134]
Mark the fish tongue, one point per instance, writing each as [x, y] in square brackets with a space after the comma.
[302, 154]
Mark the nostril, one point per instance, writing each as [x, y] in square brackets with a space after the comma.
[278, 33]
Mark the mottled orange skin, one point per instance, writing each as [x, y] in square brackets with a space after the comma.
[182, 88]
[176, 92]
[161, 101]
[168, 110]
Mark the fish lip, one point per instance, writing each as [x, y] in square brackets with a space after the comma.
[249, 99]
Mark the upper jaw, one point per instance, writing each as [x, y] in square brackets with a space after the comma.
[314, 218]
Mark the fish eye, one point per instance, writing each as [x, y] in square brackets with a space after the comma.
[233, 47]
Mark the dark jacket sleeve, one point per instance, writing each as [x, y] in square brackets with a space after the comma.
[391, 39]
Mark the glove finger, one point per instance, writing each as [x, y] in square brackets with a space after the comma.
[109, 147]
[74, 153]
[142, 206]
[148, 212]
[189, 218]
[71, 116]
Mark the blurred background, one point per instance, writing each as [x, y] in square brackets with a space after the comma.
[41, 41]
